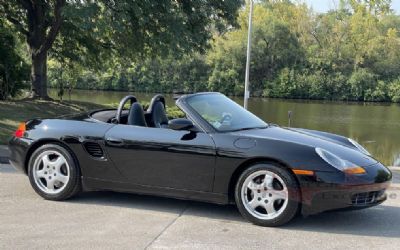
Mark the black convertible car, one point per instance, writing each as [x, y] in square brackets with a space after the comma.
[219, 153]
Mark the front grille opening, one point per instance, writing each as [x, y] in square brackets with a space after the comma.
[94, 149]
[367, 197]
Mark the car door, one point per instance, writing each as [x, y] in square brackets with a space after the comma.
[163, 157]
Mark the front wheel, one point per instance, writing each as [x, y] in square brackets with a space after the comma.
[267, 195]
[53, 173]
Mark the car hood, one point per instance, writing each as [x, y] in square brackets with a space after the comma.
[335, 144]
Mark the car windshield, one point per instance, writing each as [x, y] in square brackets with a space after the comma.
[224, 114]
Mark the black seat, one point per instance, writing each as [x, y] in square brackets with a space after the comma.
[136, 115]
[157, 113]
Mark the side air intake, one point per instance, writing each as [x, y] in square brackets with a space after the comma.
[94, 149]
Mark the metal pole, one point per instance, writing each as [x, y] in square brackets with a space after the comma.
[246, 83]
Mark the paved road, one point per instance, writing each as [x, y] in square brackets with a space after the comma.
[110, 220]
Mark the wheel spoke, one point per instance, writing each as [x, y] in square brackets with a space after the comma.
[58, 163]
[46, 161]
[254, 203]
[270, 207]
[279, 195]
[253, 186]
[40, 173]
[50, 184]
[62, 178]
[268, 181]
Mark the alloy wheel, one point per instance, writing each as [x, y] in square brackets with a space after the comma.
[51, 172]
[264, 195]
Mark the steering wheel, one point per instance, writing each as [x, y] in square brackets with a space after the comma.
[226, 117]
[121, 105]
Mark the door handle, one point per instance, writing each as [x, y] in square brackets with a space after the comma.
[114, 142]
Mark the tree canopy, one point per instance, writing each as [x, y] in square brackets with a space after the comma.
[91, 30]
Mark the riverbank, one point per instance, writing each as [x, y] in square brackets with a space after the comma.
[14, 112]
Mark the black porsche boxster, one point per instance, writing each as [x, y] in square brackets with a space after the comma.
[218, 153]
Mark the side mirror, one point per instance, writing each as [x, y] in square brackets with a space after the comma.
[180, 124]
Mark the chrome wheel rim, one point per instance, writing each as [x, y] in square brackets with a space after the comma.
[51, 172]
[264, 195]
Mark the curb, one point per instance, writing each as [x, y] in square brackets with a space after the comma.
[394, 168]
[4, 154]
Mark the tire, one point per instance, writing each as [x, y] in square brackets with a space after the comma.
[255, 195]
[53, 173]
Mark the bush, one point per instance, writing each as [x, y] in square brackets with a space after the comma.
[378, 94]
[287, 85]
[394, 90]
[226, 81]
[314, 85]
[13, 70]
[362, 83]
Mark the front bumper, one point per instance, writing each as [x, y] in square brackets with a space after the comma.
[344, 197]
[345, 192]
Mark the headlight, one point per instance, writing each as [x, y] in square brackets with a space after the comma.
[359, 147]
[339, 163]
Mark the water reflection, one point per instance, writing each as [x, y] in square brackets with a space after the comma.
[375, 125]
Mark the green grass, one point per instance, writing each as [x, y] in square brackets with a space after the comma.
[14, 112]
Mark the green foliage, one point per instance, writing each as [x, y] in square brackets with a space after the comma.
[306, 85]
[275, 47]
[394, 91]
[348, 54]
[189, 74]
[172, 112]
[377, 94]
[360, 82]
[352, 53]
[95, 33]
[288, 84]
[13, 69]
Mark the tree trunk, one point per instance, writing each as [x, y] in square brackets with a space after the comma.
[39, 76]
[41, 34]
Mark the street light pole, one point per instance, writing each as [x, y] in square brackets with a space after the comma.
[246, 82]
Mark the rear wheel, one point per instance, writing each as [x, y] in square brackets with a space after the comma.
[267, 195]
[53, 173]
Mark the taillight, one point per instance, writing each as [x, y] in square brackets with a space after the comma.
[21, 130]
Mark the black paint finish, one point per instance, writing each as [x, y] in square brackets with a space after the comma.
[199, 164]
[163, 157]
